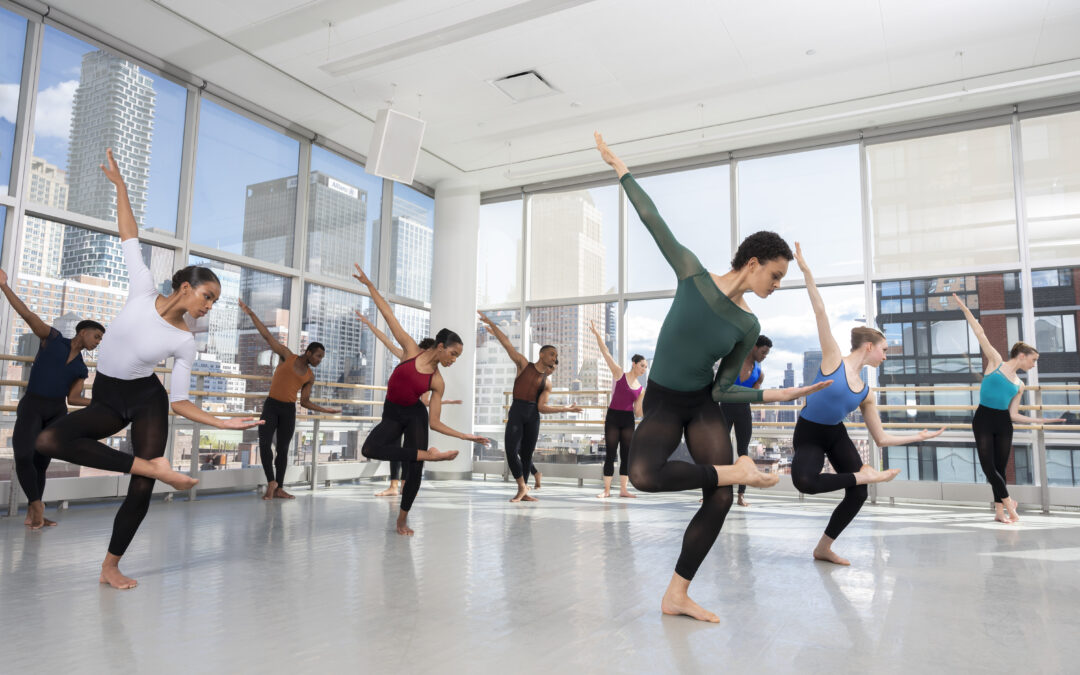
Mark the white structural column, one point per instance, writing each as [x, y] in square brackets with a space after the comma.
[453, 306]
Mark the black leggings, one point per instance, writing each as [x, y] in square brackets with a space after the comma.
[34, 414]
[142, 403]
[669, 415]
[618, 432]
[738, 416]
[522, 430]
[280, 418]
[813, 443]
[993, 442]
[402, 432]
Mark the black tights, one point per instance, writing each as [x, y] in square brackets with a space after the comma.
[738, 416]
[813, 443]
[522, 430]
[142, 403]
[34, 414]
[669, 415]
[280, 420]
[618, 433]
[993, 442]
[402, 432]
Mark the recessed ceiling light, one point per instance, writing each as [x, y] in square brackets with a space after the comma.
[524, 86]
[811, 52]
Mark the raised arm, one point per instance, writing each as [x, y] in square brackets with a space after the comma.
[681, 259]
[1014, 413]
[517, 357]
[305, 400]
[993, 358]
[125, 219]
[869, 411]
[408, 345]
[278, 348]
[382, 337]
[543, 407]
[39, 327]
[435, 412]
[830, 350]
[616, 370]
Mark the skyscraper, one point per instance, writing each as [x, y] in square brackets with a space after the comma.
[42, 244]
[811, 366]
[411, 250]
[113, 108]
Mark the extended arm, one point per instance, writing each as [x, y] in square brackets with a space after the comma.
[517, 357]
[408, 345]
[305, 401]
[992, 356]
[39, 327]
[381, 336]
[830, 350]
[278, 348]
[1014, 413]
[125, 219]
[75, 394]
[435, 413]
[616, 371]
[873, 424]
[544, 408]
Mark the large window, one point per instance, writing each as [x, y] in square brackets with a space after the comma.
[245, 187]
[1052, 185]
[344, 203]
[810, 197]
[89, 100]
[954, 463]
[495, 372]
[498, 254]
[697, 207]
[644, 318]
[574, 243]
[940, 202]
[417, 323]
[12, 42]
[411, 242]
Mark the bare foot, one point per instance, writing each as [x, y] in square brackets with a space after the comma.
[522, 491]
[826, 554]
[35, 515]
[391, 491]
[749, 474]
[110, 574]
[529, 498]
[436, 455]
[742, 501]
[281, 494]
[1011, 505]
[49, 523]
[174, 479]
[604, 495]
[868, 474]
[1002, 518]
[403, 527]
[676, 605]
[271, 488]
[536, 480]
[630, 495]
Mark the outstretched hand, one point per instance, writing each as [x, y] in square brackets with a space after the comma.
[111, 169]
[241, 423]
[925, 434]
[573, 409]
[592, 327]
[609, 157]
[3, 278]
[243, 307]
[1051, 420]
[484, 318]
[477, 439]
[792, 393]
[363, 318]
[800, 259]
[360, 276]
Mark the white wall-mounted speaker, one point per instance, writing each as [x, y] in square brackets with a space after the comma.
[395, 145]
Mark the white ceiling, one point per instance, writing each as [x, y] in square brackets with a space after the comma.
[663, 80]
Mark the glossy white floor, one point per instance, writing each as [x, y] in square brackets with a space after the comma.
[233, 584]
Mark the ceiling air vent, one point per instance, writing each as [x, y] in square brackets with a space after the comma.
[524, 86]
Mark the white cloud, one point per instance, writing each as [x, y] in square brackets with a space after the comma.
[52, 116]
[643, 332]
[9, 101]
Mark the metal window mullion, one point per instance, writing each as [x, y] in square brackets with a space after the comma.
[621, 338]
[188, 155]
[733, 194]
[299, 251]
[526, 271]
[868, 289]
[382, 274]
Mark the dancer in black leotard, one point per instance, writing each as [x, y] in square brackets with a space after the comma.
[531, 389]
[399, 353]
[402, 435]
[708, 321]
[999, 407]
[56, 380]
[738, 414]
[820, 432]
[149, 329]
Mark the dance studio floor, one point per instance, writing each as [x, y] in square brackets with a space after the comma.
[232, 584]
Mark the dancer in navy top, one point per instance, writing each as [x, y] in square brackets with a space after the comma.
[820, 432]
[737, 415]
[56, 381]
[999, 407]
[402, 435]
